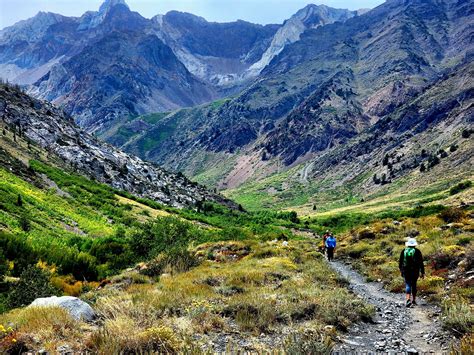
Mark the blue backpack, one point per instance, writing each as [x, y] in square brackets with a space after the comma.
[331, 242]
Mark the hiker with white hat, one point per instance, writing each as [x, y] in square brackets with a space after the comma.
[411, 266]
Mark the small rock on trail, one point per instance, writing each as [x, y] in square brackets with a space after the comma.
[395, 328]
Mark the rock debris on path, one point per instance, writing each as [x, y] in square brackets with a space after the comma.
[395, 328]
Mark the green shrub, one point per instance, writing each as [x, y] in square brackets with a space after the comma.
[19, 250]
[164, 233]
[25, 224]
[3, 266]
[463, 185]
[33, 283]
[458, 315]
[307, 342]
[174, 260]
[452, 214]
[113, 251]
[19, 201]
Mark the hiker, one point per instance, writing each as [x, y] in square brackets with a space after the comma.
[411, 266]
[330, 246]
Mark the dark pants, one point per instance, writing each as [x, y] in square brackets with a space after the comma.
[330, 253]
[410, 284]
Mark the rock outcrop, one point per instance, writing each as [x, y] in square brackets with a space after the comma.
[53, 130]
[78, 309]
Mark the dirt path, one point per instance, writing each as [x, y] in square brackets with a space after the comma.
[396, 329]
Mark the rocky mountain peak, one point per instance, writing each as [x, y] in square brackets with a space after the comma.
[94, 19]
[184, 17]
[31, 29]
[309, 17]
[109, 4]
[319, 15]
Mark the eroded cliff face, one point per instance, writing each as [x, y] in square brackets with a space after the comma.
[55, 131]
[310, 17]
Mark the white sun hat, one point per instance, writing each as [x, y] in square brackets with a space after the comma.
[411, 242]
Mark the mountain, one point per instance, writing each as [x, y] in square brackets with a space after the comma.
[317, 96]
[310, 17]
[121, 74]
[229, 54]
[99, 67]
[113, 63]
[54, 131]
[218, 53]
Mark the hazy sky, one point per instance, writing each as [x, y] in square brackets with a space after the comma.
[258, 11]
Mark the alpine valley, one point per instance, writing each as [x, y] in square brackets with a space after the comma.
[287, 110]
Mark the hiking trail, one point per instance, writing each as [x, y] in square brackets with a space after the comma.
[395, 328]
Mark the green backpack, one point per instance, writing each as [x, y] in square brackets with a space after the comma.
[409, 258]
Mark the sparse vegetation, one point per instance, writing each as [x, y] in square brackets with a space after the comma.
[259, 293]
[458, 315]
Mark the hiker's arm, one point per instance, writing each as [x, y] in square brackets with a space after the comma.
[421, 264]
[400, 263]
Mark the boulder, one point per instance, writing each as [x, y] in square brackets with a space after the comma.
[78, 309]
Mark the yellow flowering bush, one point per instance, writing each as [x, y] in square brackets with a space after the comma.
[5, 331]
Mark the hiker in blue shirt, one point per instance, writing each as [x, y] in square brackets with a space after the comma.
[330, 246]
[411, 265]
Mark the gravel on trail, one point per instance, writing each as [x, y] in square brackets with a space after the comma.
[395, 329]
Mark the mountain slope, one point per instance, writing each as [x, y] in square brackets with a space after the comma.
[218, 53]
[54, 131]
[332, 85]
[230, 54]
[125, 74]
[310, 17]
[424, 145]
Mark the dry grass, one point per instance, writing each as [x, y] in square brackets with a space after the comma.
[275, 287]
[48, 326]
[141, 211]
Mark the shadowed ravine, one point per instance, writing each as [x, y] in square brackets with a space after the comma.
[395, 328]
